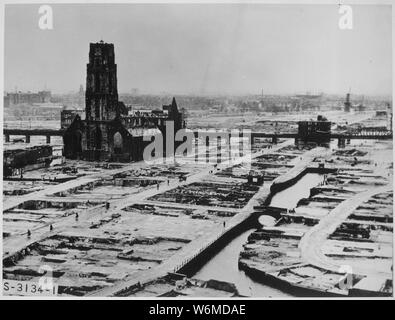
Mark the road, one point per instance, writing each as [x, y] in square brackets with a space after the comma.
[313, 240]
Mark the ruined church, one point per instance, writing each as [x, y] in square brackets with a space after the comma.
[108, 132]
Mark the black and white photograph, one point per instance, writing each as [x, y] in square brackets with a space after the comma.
[232, 150]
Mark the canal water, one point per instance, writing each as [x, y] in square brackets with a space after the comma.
[224, 265]
[289, 197]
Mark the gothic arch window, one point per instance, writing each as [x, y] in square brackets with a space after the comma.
[118, 142]
[96, 138]
[92, 81]
[88, 139]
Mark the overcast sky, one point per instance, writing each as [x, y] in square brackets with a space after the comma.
[204, 48]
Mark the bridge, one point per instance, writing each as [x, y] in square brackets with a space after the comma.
[32, 132]
[363, 133]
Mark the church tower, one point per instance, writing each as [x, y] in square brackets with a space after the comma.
[101, 97]
[108, 133]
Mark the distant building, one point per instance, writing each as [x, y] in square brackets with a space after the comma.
[81, 96]
[347, 103]
[6, 101]
[16, 98]
[389, 116]
[135, 91]
[360, 108]
[381, 113]
[67, 117]
[315, 131]
[108, 132]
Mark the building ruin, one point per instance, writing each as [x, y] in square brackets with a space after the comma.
[108, 133]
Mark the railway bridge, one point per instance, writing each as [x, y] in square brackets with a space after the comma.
[27, 133]
[361, 133]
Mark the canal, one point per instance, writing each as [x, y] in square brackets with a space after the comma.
[289, 197]
[224, 265]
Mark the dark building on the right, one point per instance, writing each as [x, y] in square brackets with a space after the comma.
[315, 131]
[347, 103]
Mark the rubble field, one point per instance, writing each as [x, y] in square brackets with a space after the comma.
[362, 241]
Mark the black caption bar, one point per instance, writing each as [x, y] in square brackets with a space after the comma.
[193, 309]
